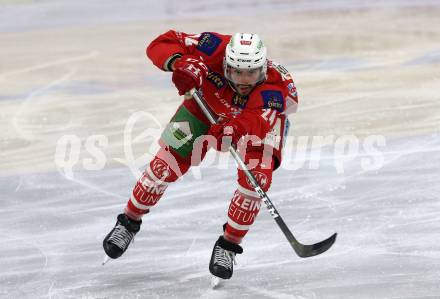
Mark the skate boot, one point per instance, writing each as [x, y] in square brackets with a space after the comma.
[118, 239]
[223, 258]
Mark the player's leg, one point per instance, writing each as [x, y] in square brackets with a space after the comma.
[179, 151]
[164, 169]
[243, 210]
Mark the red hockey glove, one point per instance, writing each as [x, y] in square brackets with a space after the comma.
[189, 72]
[226, 133]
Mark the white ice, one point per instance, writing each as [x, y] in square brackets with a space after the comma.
[78, 68]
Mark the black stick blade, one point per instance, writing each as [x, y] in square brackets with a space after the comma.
[313, 249]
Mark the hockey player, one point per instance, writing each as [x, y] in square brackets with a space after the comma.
[250, 95]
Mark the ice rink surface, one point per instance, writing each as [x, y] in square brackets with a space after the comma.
[78, 69]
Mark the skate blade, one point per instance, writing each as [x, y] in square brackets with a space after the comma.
[216, 282]
[106, 259]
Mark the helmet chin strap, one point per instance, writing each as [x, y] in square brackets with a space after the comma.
[231, 84]
[234, 87]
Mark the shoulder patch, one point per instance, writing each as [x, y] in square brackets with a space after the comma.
[216, 79]
[273, 99]
[208, 43]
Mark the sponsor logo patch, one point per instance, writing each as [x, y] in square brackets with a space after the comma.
[239, 100]
[216, 79]
[273, 99]
[261, 179]
[208, 43]
[160, 169]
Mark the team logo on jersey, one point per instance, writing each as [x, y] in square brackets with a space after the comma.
[216, 79]
[239, 100]
[273, 99]
[291, 87]
[208, 43]
[160, 169]
[261, 178]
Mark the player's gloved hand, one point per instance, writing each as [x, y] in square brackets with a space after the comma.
[226, 133]
[189, 72]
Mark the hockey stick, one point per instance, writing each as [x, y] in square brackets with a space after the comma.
[301, 250]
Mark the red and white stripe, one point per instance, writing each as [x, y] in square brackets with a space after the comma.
[147, 192]
[242, 212]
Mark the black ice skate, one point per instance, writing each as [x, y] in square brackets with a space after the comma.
[223, 258]
[118, 239]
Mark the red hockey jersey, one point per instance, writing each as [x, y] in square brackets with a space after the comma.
[261, 112]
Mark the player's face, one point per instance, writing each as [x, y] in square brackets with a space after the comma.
[245, 80]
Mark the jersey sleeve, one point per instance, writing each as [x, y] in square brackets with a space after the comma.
[287, 84]
[259, 118]
[268, 101]
[173, 44]
[252, 122]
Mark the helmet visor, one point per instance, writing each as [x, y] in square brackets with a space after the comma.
[244, 76]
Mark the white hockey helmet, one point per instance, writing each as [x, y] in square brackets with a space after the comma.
[245, 51]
